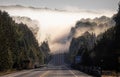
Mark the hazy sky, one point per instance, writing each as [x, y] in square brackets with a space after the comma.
[60, 4]
[57, 24]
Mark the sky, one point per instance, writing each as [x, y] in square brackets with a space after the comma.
[57, 24]
[63, 4]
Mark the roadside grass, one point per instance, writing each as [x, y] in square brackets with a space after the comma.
[110, 74]
[7, 72]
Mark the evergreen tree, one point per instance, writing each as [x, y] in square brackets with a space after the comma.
[18, 47]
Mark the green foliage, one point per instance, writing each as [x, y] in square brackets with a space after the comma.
[45, 51]
[18, 46]
[7, 41]
[107, 51]
[81, 46]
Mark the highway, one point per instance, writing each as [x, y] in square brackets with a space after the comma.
[55, 68]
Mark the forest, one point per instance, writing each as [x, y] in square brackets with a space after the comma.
[19, 48]
[102, 51]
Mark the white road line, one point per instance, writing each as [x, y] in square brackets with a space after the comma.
[73, 73]
[76, 75]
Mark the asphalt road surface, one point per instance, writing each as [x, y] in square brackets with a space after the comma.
[55, 68]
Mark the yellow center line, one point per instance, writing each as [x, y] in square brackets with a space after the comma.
[44, 74]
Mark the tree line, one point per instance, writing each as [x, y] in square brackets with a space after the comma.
[19, 49]
[106, 50]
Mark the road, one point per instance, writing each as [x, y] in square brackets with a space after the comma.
[55, 68]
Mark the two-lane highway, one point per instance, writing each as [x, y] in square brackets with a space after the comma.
[63, 71]
[55, 68]
[50, 71]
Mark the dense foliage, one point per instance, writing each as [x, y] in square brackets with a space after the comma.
[18, 47]
[80, 45]
[106, 51]
[46, 51]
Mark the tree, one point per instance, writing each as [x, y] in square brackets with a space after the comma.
[18, 47]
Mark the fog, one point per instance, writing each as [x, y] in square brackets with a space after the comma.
[55, 24]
